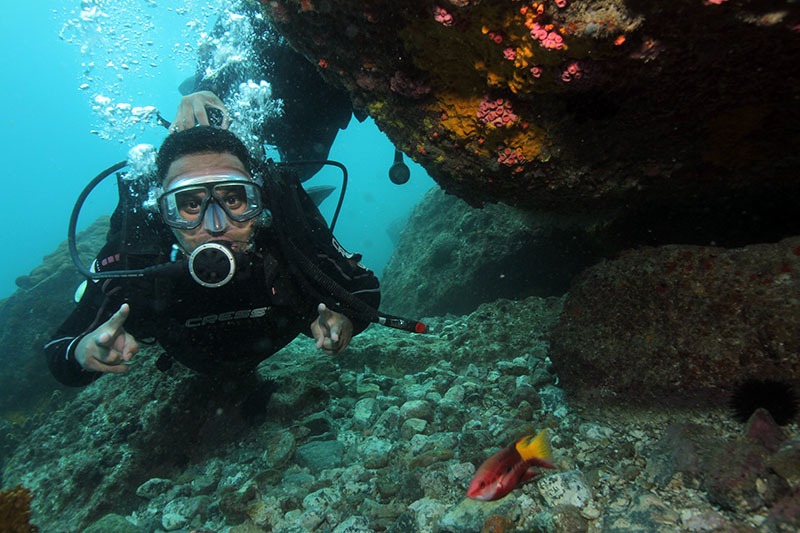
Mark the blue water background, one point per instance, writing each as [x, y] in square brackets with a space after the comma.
[50, 152]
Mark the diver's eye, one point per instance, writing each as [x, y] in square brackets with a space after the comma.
[232, 197]
[233, 201]
[190, 202]
[191, 205]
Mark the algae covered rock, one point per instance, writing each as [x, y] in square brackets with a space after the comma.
[29, 317]
[452, 257]
[682, 323]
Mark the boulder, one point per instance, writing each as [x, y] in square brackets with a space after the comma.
[681, 324]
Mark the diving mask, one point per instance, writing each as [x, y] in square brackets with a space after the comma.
[191, 201]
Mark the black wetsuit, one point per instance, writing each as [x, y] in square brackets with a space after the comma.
[225, 331]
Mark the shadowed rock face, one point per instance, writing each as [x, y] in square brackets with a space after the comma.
[679, 324]
[591, 105]
[452, 257]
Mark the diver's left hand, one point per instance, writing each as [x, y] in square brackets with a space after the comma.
[331, 330]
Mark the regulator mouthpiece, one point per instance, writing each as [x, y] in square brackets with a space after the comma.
[212, 265]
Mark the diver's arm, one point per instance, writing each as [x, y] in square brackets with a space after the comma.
[343, 267]
[60, 351]
[60, 355]
[215, 81]
[100, 299]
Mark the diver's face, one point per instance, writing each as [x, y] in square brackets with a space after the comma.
[238, 234]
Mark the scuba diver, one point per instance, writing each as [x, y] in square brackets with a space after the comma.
[235, 262]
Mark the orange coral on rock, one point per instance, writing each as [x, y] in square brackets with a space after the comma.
[464, 120]
[15, 510]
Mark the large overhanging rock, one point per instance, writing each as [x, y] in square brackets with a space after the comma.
[571, 104]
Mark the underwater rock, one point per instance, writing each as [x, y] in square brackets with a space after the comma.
[416, 409]
[387, 424]
[561, 519]
[566, 488]
[148, 431]
[470, 515]
[412, 427]
[762, 430]
[426, 512]
[354, 524]
[27, 320]
[734, 472]
[786, 462]
[643, 512]
[366, 412]
[736, 476]
[785, 515]
[280, 450]
[375, 452]
[112, 522]
[320, 455]
[681, 324]
[153, 488]
[452, 257]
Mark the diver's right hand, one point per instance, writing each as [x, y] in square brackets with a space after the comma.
[192, 111]
[109, 348]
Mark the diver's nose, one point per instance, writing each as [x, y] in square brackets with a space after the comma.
[215, 219]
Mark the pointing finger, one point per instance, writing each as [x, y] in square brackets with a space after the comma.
[118, 319]
[323, 318]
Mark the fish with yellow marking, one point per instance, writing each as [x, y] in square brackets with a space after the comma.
[511, 467]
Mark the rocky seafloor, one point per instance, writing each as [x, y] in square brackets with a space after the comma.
[386, 437]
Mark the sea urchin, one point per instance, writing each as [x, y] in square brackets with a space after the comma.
[777, 397]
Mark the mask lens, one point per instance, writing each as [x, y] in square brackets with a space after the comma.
[185, 207]
[190, 203]
[241, 201]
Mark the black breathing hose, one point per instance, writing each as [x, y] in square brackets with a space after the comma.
[312, 272]
[341, 167]
[76, 211]
[360, 308]
[165, 269]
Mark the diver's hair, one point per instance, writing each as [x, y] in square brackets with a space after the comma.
[198, 140]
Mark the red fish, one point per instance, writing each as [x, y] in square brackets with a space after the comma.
[510, 468]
